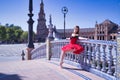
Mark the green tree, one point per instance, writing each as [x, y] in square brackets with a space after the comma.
[24, 36]
[18, 33]
[2, 33]
[6, 25]
[10, 34]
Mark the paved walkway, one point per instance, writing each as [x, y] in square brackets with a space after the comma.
[42, 70]
[12, 52]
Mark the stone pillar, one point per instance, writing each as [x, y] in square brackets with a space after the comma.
[48, 49]
[29, 53]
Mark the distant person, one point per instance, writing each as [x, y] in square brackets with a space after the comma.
[72, 46]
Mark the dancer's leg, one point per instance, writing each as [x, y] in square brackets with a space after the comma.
[62, 57]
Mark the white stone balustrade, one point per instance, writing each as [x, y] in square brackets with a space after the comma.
[98, 54]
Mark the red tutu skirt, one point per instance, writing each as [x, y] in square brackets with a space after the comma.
[73, 46]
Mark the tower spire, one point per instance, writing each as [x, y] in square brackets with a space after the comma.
[50, 19]
[96, 22]
[41, 1]
[41, 7]
[42, 30]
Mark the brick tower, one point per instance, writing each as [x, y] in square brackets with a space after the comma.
[42, 30]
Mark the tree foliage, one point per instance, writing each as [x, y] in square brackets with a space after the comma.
[2, 33]
[13, 34]
[24, 36]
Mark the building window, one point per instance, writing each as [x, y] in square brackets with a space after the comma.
[114, 37]
[103, 32]
[98, 38]
[103, 37]
[98, 32]
[110, 37]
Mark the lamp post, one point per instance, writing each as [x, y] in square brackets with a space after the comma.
[30, 30]
[64, 11]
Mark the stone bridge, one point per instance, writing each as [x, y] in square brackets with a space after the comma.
[98, 61]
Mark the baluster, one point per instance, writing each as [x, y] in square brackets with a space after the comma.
[56, 45]
[110, 60]
[73, 56]
[66, 56]
[81, 58]
[98, 57]
[40, 51]
[69, 56]
[89, 54]
[60, 46]
[104, 59]
[59, 50]
[77, 57]
[85, 54]
[44, 51]
[38, 54]
[93, 56]
[53, 49]
[115, 73]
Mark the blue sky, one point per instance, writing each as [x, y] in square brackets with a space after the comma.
[80, 12]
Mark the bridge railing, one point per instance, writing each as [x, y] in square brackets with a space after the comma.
[39, 52]
[98, 55]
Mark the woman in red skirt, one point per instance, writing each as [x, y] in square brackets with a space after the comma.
[72, 46]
